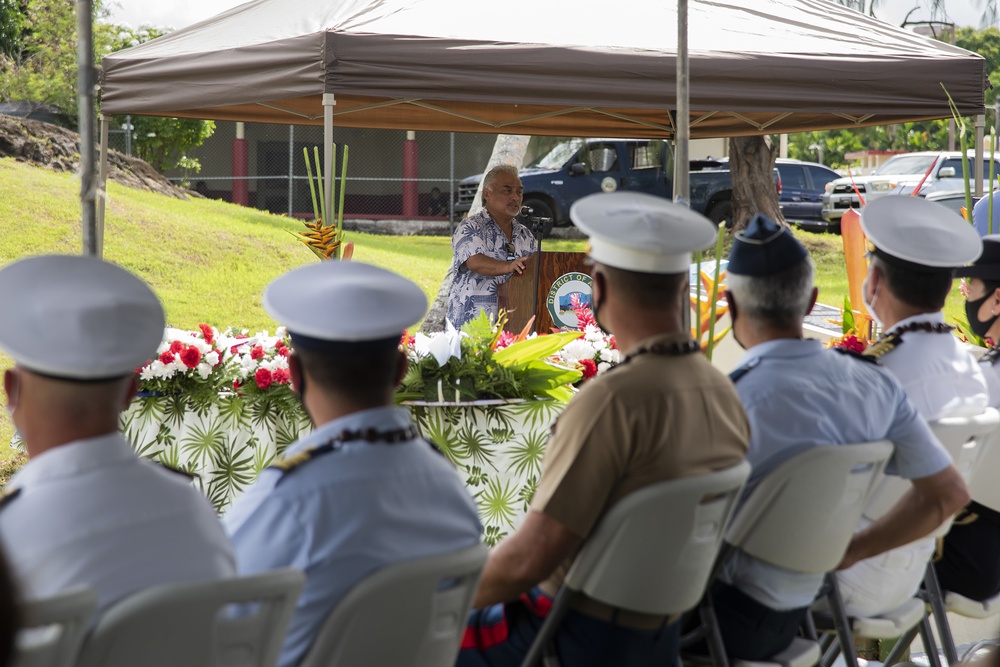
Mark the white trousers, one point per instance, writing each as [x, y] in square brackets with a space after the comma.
[884, 582]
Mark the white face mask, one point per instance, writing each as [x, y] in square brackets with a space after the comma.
[870, 305]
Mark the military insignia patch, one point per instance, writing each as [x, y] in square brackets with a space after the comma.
[884, 346]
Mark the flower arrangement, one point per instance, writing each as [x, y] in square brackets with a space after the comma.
[851, 338]
[593, 353]
[481, 362]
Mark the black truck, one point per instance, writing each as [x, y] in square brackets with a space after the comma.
[579, 167]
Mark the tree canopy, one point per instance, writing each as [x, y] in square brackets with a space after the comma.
[38, 65]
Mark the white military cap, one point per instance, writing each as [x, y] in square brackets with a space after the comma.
[918, 234]
[77, 318]
[335, 302]
[640, 232]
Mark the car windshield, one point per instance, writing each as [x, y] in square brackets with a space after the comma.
[906, 164]
[558, 156]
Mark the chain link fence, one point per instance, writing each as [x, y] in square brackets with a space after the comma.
[389, 174]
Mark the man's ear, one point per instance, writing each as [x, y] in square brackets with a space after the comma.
[812, 300]
[732, 304]
[131, 390]
[295, 372]
[12, 386]
[404, 364]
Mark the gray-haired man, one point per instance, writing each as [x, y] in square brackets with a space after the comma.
[489, 247]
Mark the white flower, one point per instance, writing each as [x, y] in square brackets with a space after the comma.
[603, 366]
[608, 355]
[212, 358]
[204, 370]
[281, 332]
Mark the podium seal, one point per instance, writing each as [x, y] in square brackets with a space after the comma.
[560, 298]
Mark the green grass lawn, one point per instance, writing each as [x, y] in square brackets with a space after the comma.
[209, 261]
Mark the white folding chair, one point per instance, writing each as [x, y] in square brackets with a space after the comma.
[652, 552]
[220, 623]
[425, 602]
[965, 440]
[52, 628]
[801, 517]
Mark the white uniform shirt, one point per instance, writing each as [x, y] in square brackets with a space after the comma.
[92, 513]
[343, 514]
[938, 374]
[942, 379]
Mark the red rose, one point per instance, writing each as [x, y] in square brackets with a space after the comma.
[167, 357]
[263, 378]
[284, 351]
[191, 356]
[257, 352]
[176, 346]
[233, 349]
[612, 343]
[281, 376]
[237, 384]
[207, 332]
[589, 368]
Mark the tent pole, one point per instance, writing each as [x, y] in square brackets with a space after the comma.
[980, 124]
[682, 183]
[102, 186]
[85, 100]
[682, 124]
[328, 104]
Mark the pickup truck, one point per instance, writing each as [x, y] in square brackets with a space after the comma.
[579, 167]
[900, 174]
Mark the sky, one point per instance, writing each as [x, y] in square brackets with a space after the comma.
[180, 13]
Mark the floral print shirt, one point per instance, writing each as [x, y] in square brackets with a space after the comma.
[472, 292]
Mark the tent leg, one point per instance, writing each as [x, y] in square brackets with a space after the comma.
[328, 103]
[102, 186]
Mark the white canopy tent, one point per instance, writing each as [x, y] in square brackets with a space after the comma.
[561, 67]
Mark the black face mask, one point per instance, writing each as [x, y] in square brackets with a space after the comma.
[972, 312]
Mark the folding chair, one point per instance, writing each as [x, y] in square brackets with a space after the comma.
[220, 623]
[652, 552]
[52, 629]
[964, 438]
[425, 603]
[801, 517]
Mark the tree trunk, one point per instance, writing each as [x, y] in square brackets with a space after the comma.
[508, 149]
[751, 161]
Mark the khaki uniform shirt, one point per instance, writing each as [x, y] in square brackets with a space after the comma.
[656, 418]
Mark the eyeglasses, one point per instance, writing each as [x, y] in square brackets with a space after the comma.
[510, 252]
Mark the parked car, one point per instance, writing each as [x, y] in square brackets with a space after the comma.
[943, 169]
[953, 199]
[802, 188]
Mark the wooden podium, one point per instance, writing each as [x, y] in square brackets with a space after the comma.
[527, 294]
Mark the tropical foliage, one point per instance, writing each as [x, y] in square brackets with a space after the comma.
[498, 447]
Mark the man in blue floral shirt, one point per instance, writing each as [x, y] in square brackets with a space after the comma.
[489, 247]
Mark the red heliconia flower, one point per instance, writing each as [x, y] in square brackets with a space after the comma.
[176, 346]
[257, 352]
[852, 343]
[208, 334]
[167, 357]
[263, 378]
[190, 356]
[589, 368]
[281, 376]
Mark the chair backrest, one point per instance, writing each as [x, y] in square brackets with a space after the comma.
[963, 437]
[653, 551]
[802, 515]
[220, 623]
[408, 614]
[984, 487]
[52, 629]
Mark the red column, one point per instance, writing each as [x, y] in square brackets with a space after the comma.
[410, 170]
[241, 169]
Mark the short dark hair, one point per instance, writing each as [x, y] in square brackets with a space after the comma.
[926, 290]
[366, 377]
[655, 290]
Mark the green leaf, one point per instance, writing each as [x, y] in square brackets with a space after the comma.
[497, 503]
[535, 348]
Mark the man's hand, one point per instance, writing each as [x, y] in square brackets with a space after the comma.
[517, 265]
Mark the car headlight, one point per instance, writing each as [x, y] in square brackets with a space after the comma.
[828, 187]
[882, 186]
